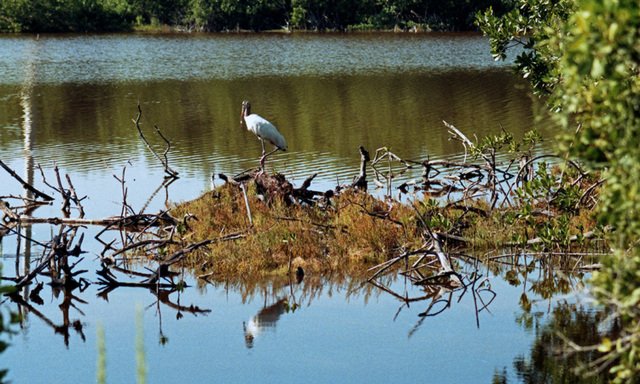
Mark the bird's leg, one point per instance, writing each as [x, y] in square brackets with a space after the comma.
[264, 157]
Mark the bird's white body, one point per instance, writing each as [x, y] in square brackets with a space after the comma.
[265, 131]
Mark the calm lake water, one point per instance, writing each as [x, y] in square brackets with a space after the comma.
[68, 100]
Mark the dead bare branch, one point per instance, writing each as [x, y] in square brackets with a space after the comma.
[25, 185]
[170, 172]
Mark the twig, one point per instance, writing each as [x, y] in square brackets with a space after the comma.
[11, 229]
[74, 196]
[167, 169]
[25, 185]
[588, 191]
[66, 196]
[166, 159]
[386, 265]
[246, 202]
[4, 207]
[55, 248]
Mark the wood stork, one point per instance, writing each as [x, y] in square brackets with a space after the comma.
[264, 130]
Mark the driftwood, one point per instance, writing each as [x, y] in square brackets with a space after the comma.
[271, 187]
[388, 264]
[163, 269]
[8, 214]
[57, 256]
[117, 221]
[25, 185]
[360, 181]
[445, 261]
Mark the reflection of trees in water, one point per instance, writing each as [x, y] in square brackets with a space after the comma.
[542, 278]
[550, 360]
[544, 275]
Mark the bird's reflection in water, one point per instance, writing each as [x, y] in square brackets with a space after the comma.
[268, 316]
[265, 319]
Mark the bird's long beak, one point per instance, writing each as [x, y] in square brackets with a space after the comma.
[242, 114]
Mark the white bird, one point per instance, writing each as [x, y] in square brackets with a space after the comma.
[263, 129]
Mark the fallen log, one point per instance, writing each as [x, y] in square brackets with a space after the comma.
[120, 221]
[445, 262]
[8, 213]
[360, 181]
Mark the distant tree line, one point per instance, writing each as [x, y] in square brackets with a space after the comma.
[255, 15]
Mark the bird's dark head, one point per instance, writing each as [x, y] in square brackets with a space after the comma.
[246, 110]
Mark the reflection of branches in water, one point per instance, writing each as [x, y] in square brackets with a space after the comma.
[546, 278]
[163, 297]
[566, 343]
[314, 286]
[165, 183]
[63, 329]
[441, 296]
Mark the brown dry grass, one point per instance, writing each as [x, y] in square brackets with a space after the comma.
[355, 231]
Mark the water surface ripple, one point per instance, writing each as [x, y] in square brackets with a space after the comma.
[116, 58]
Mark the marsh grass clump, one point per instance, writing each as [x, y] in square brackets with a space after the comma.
[352, 231]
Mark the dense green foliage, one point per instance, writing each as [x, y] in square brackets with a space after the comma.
[587, 55]
[63, 15]
[529, 26]
[256, 15]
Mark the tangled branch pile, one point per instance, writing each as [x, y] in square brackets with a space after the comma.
[480, 206]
